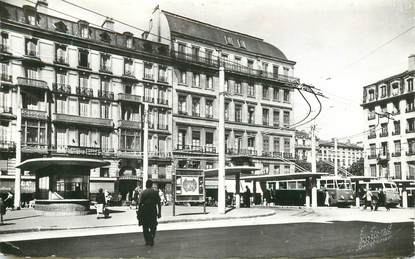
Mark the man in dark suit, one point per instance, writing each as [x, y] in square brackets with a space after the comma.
[150, 207]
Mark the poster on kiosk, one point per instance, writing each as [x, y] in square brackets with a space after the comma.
[189, 188]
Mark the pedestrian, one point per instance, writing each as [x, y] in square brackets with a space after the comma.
[101, 203]
[381, 199]
[162, 198]
[2, 210]
[9, 200]
[107, 197]
[267, 197]
[368, 199]
[136, 196]
[247, 197]
[326, 197]
[149, 211]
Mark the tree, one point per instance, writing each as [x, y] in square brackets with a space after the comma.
[304, 164]
[357, 168]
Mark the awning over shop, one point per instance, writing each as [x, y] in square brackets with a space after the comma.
[233, 170]
[41, 163]
[282, 177]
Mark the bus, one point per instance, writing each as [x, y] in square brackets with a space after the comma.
[392, 197]
[339, 190]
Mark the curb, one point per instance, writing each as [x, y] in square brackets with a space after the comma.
[40, 229]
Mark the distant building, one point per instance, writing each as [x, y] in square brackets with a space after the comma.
[347, 153]
[390, 108]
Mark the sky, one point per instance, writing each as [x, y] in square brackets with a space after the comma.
[333, 43]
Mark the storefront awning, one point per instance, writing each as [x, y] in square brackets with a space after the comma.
[40, 163]
[232, 170]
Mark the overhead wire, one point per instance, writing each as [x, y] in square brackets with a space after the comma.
[309, 109]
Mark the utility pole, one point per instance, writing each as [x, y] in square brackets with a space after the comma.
[313, 167]
[335, 157]
[221, 144]
[17, 174]
[145, 145]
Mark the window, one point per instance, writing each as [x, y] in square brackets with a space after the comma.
[286, 118]
[265, 144]
[183, 77]
[209, 109]
[228, 40]
[238, 88]
[410, 105]
[130, 140]
[277, 169]
[411, 146]
[227, 111]
[276, 144]
[31, 73]
[83, 81]
[384, 129]
[128, 67]
[105, 111]
[250, 64]
[371, 95]
[265, 92]
[195, 53]
[162, 76]
[383, 91]
[4, 38]
[60, 54]
[397, 144]
[83, 58]
[265, 116]
[226, 87]
[241, 43]
[276, 94]
[396, 127]
[372, 148]
[275, 71]
[251, 90]
[181, 138]
[410, 83]
[209, 139]
[398, 171]
[31, 47]
[251, 143]
[396, 109]
[196, 107]
[105, 63]
[209, 55]
[238, 113]
[195, 139]
[373, 170]
[84, 31]
[209, 82]
[33, 132]
[196, 80]
[286, 70]
[182, 51]
[83, 109]
[148, 71]
[182, 105]
[60, 106]
[251, 114]
[287, 148]
[286, 96]
[286, 169]
[265, 67]
[276, 118]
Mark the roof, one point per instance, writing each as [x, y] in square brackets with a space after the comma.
[41, 163]
[186, 26]
[392, 78]
[339, 144]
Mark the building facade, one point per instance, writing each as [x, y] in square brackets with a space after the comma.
[258, 98]
[390, 144]
[74, 89]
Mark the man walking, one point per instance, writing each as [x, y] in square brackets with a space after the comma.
[150, 207]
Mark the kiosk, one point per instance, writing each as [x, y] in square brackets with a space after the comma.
[62, 184]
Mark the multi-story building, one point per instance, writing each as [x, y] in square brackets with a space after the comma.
[78, 91]
[347, 152]
[258, 100]
[390, 108]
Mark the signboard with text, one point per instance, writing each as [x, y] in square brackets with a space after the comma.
[189, 186]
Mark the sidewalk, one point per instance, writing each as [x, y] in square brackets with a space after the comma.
[28, 220]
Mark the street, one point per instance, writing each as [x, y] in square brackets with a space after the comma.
[352, 238]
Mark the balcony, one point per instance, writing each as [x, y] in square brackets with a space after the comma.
[130, 152]
[411, 130]
[104, 94]
[29, 82]
[396, 154]
[181, 112]
[105, 69]
[61, 61]
[129, 98]
[163, 101]
[33, 114]
[130, 124]
[265, 123]
[396, 132]
[162, 127]
[371, 156]
[241, 152]
[6, 113]
[129, 74]
[266, 154]
[148, 99]
[410, 153]
[83, 151]
[209, 115]
[84, 91]
[4, 48]
[84, 65]
[195, 59]
[32, 53]
[159, 154]
[383, 134]
[61, 88]
[148, 76]
[383, 157]
[6, 78]
[162, 79]
[75, 119]
[196, 148]
[410, 109]
[7, 145]
[287, 155]
[35, 148]
[195, 114]
[371, 136]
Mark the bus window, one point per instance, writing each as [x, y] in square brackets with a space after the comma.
[342, 184]
[389, 186]
[283, 185]
[323, 183]
[300, 185]
[330, 184]
[375, 186]
[291, 185]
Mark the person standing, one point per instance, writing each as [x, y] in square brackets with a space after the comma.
[247, 197]
[101, 203]
[9, 200]
[368, 195]
[150, 210]
[2, 209]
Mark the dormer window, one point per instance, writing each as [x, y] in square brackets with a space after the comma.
[60, 27]
[395, 88]
[383, 91]
[410, 83]
[371, 95]
[30, 14]
[228, 40]
[83, 29]
[241, 43]
[105, 37]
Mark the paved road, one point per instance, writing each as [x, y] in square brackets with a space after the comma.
[354, 238]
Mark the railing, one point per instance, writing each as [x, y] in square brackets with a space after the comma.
[106, 94]
[148, 76]
[371, 136]
[209, 115]
[383, 156]
[410, 152]
[383, 134]
[162, 79]
[24, 81]
[70, 119]
[371, 156]
[148, 99]
[6, 109]
[398, 132]
[196, 114]
[163, 101]
[61, 60]
[266, 153]
[396, 154]
[6, 78]
[246, 152]
[130, 124]
[34, 148]
[84, 65]
[162, 127]
[182, 112]
[33, 114]
[32, 53]
[287, 155]
[208, 61]
[105, 69]
[4, 48]
[410, 130]
[58, 87]
[128, 73]
[198, 149]
[160, 154]
[129, 97]
[84, 91]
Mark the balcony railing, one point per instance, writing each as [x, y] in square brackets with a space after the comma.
[128, 73]
[396, 154]
[163, 101]
[75, 119]
[61, 61]
[129, 97]
[396, 132]
[195, 114]
[371, 136]
[209, 115]
[410, 130]
[83, 151]
[130, 124]
[105, 69]
[7, 145]
[148, 76]
[383, 134]
[34, 114]
[160, 154]
[129, 152]
[287, 155]
[29, 82]
[6, 78]
[242, 152]
[4, 48]
[371, 156]
[383, 156]
[162, 79]
[32, 53]
[84, 91]
[162, 127]
[208, 61]
[148, 99]
[181, 112]
[195, 148]
[84, 65]
[35, 148]
[266, 153]
[410, 153]
[62, 88]
[106, 94]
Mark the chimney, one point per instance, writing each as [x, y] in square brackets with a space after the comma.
[108, 24]
[411, 62]
[42, 6]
